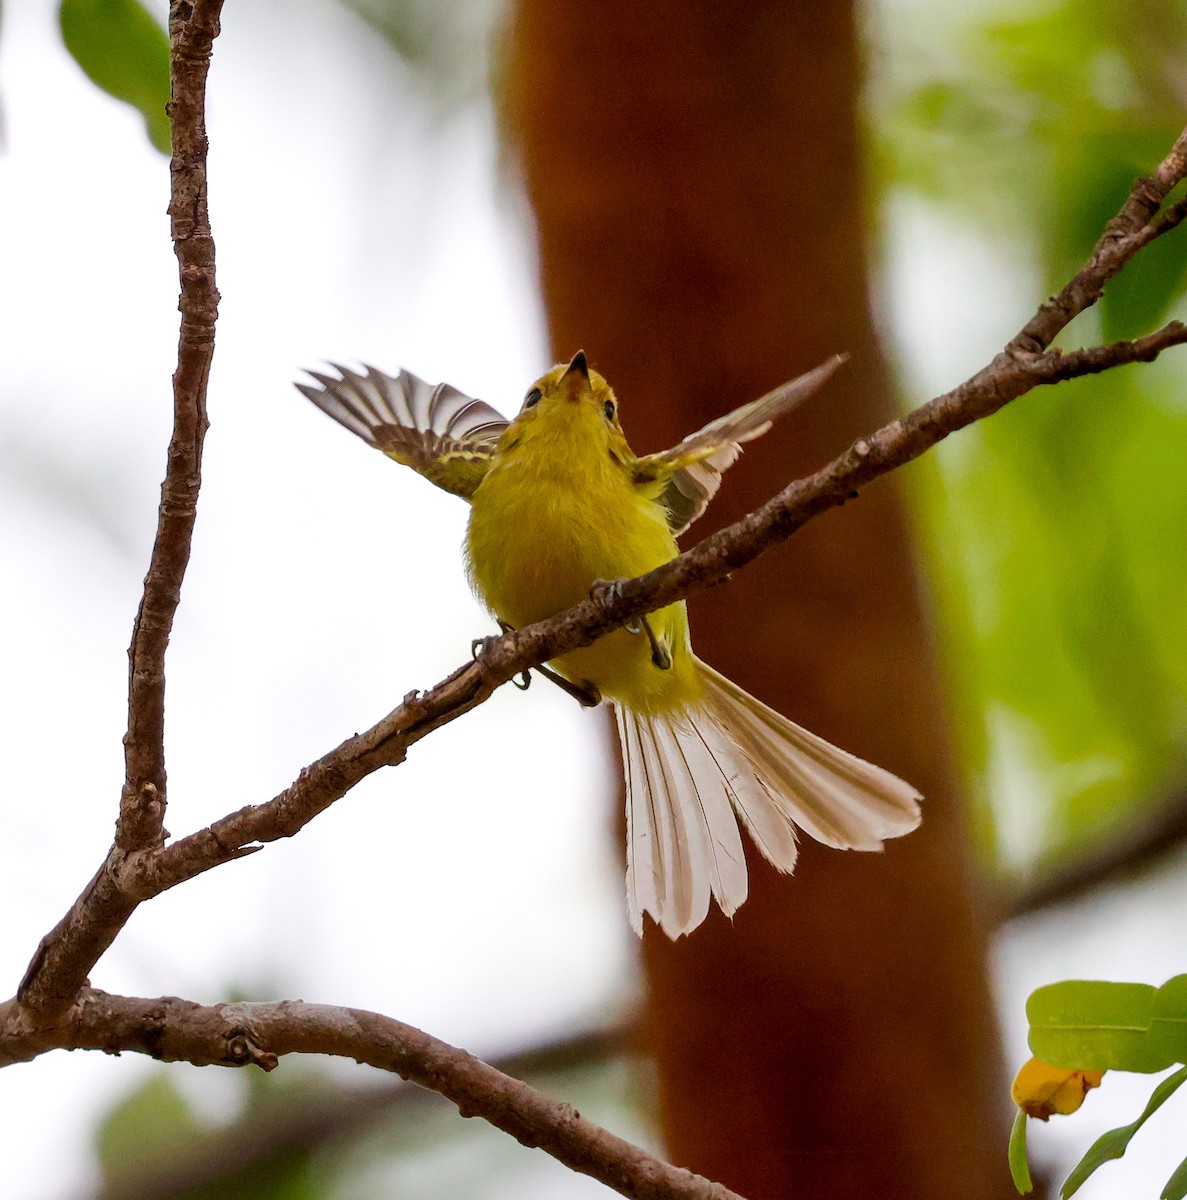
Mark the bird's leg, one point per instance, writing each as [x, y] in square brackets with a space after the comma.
[659, 652]
[660, 655]
[585, 693]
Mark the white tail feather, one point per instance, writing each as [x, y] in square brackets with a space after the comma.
[687, 774]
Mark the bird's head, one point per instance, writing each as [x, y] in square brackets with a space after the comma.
[571, 401]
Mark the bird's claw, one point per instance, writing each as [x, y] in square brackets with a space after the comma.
[479, 646]
[660, 654]
[611, 589]
[605, 589]
[585, 693]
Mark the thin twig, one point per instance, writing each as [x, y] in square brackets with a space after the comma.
[68, 951]
[193, 28]
[174, 1030]
[1132, 228]
[123, 881]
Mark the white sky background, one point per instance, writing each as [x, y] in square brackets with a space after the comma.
[325, 581]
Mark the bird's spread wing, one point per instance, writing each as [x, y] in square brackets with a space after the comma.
[691, 470]
[432, 428]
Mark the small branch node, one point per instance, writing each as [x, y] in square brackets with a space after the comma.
[243, 1050]
[1025, 347]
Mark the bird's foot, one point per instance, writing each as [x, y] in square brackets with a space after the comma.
[611, 589]
[585, 693]
[479, 646]
[600, 589]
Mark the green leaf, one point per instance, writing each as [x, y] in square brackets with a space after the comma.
[1019, 1167]
[149, 1125]
[1176, 1185]
[1060, 608]
[1137, 301]
[1113, 1144]
[1082, 1024]
[1101, 1026]
[1169, 1025]
[125, 52]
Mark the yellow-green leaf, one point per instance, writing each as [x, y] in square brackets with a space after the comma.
[1090, 1023]
[123, 50]
[1019, 1167]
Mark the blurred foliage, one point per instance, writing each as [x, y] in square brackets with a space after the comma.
[1109, 1146]
[447, 45]
[1057, 527]
[153, 1122]
[124, 51]
[301, 1135]
[152, 1144]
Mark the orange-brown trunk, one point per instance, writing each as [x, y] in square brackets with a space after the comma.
[696, 174]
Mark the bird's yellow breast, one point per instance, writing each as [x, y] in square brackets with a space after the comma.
[556, 511]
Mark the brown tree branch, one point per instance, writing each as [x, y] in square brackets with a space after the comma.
[174, 1030]
[192, 29]
[66, 954]
[69, 951]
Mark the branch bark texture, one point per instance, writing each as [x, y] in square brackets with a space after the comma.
[193, 28]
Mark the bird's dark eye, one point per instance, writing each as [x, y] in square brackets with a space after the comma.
[532, 398]
[609, 408]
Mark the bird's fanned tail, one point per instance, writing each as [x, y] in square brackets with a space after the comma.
[689, 773]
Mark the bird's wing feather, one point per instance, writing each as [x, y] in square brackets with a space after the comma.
[691, 471]
[446, 436]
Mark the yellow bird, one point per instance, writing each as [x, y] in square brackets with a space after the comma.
[559, 505]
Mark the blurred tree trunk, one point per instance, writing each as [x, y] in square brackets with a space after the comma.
[695, 170]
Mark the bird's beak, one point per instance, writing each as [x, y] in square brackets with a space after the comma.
[576, 377]
[579, 365]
